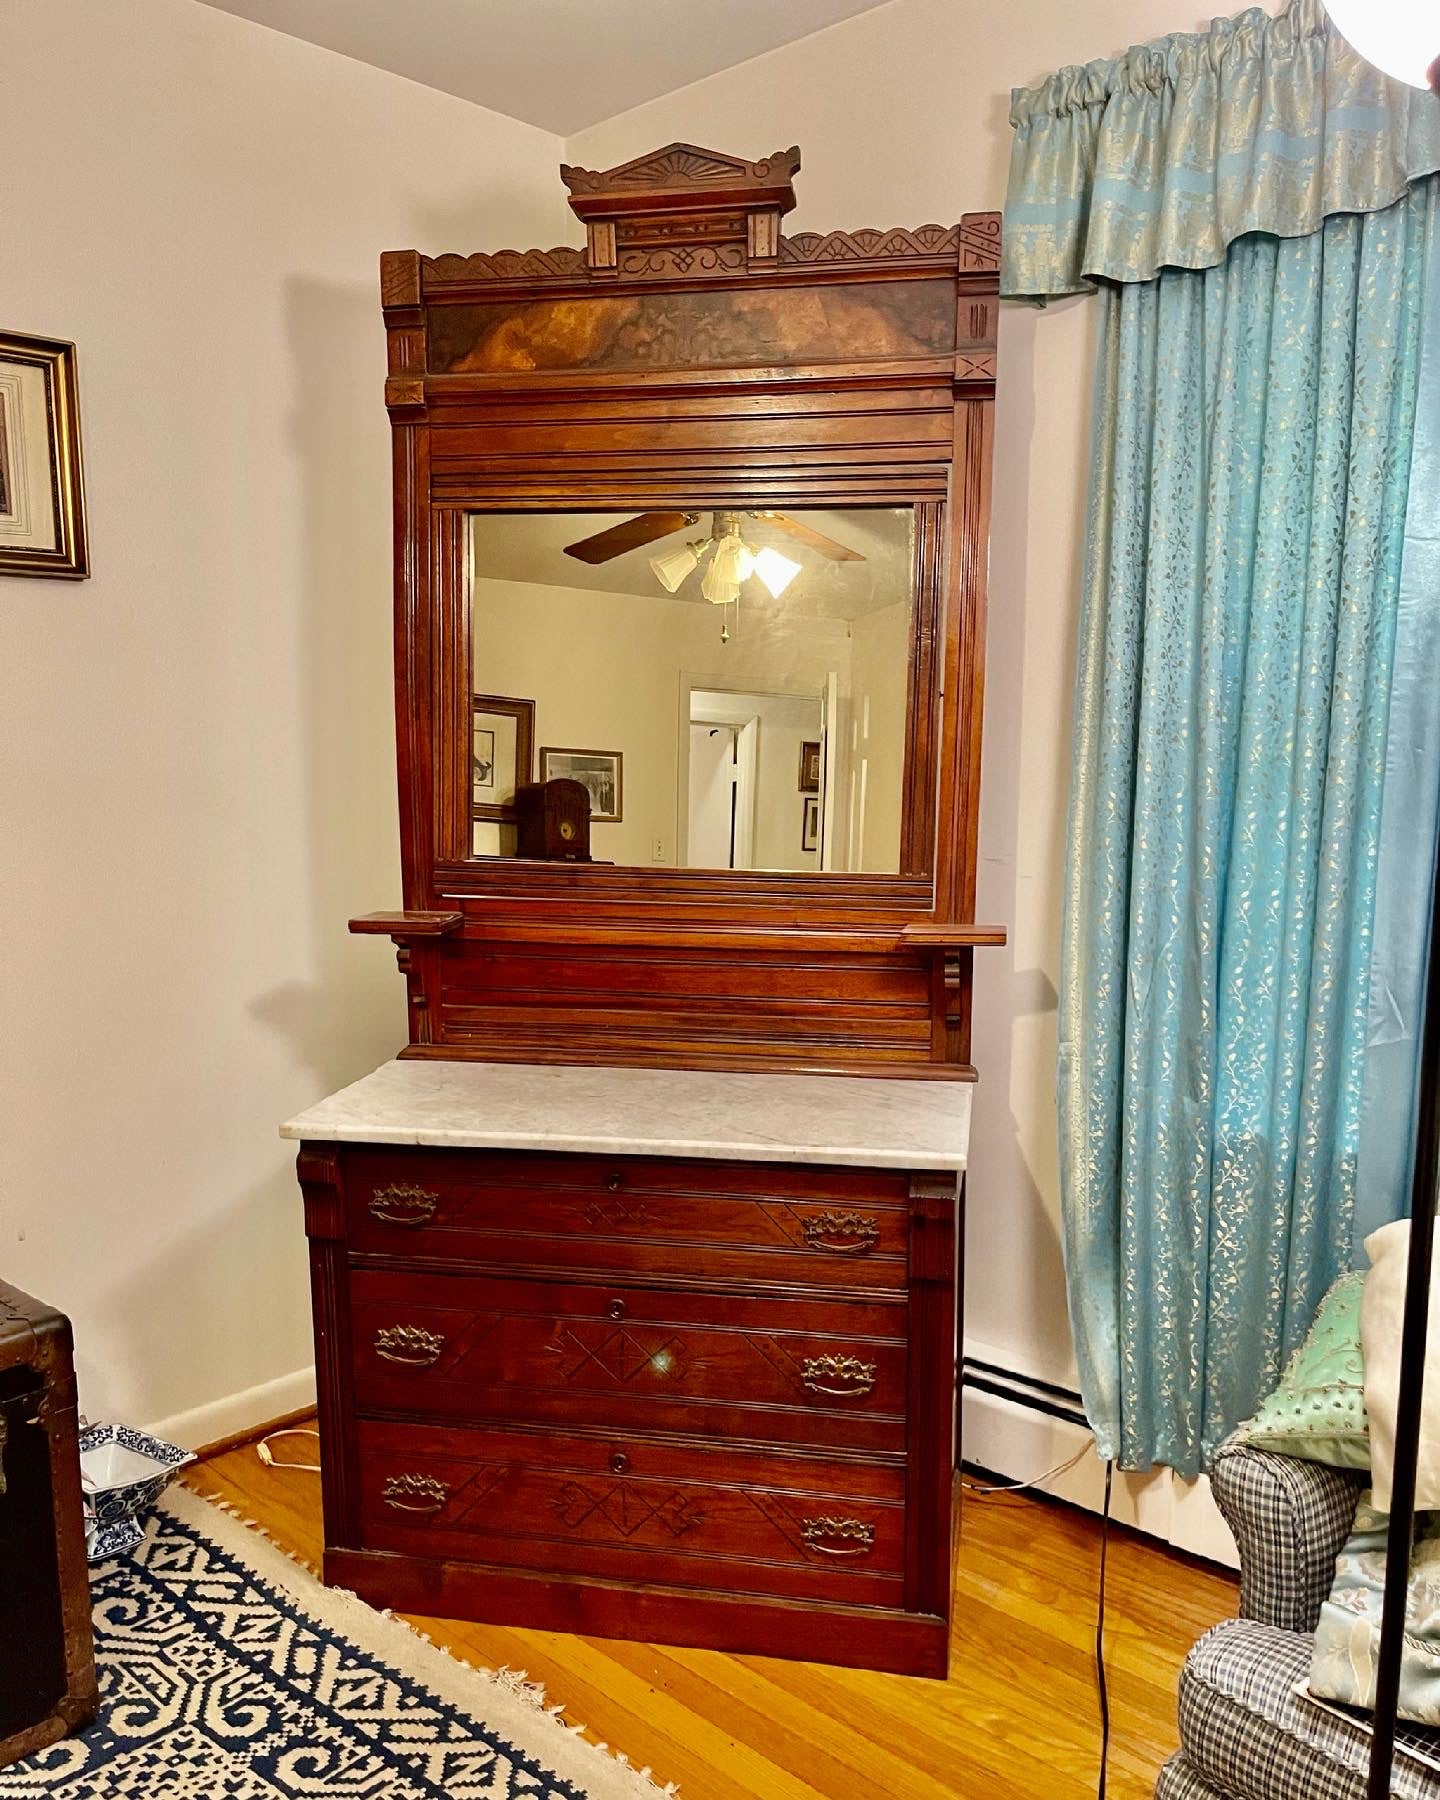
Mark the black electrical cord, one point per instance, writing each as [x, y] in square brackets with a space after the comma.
[1101, 1684]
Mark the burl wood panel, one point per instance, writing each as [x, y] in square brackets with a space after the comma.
[711, 328]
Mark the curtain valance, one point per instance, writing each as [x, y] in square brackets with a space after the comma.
[1166, 156]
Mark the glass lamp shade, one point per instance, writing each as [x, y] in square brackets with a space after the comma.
[775, 570]
[729, 566]
[1400, 37]
[672, 568]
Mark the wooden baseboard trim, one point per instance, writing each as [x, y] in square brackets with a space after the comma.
[252, 1434]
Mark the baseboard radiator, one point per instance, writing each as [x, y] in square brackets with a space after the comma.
[1015, 1427]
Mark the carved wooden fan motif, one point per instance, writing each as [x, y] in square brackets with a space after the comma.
[647, 527]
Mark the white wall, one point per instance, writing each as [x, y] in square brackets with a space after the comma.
[197, 753]
[901, 115]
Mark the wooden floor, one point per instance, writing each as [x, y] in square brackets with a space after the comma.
[1016, 1718]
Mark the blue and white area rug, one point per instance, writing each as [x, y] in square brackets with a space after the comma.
[229, 1673]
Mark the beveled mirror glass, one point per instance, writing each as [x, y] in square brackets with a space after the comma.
[730, 687]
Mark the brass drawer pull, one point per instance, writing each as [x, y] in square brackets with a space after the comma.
[414, 1493]
[846, 1233]
[403, 1204]
[412, 1345]
[838, 1537]
[846, 1376]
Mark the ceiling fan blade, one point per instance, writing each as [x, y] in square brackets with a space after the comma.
[644, 528]
[815, 540]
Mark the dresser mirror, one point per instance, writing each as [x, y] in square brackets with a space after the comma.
[731, 686]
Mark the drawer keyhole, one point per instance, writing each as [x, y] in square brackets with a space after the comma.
[617, 1309]
[619, 1463]
[615, 1182]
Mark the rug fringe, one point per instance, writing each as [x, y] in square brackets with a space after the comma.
[250, 1524]
[515, 1682]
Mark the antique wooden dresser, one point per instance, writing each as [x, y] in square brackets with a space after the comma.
[635, 1275]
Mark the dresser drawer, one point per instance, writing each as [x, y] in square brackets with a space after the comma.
[618, 1507]
[773, 1369]
[746, 1222]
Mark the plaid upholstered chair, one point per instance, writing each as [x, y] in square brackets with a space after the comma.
[1244, 1734]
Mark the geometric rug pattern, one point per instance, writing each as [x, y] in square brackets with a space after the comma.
[217, 1683]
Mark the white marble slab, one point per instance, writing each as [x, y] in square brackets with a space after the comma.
[886, 1124]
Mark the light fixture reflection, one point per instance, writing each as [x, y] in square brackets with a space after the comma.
[775, 570]
[729, 566]
[1400, 37]
[672, 568]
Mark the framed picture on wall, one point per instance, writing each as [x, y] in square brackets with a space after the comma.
[599, 771]
[502, 749]
[810, 824]
[42, 487]
[810, 766]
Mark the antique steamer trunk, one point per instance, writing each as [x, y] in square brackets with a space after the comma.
[47, 1664]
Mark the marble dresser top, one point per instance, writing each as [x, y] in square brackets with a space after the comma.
[886, 1124]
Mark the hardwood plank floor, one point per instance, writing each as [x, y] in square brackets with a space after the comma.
[1016, 1720]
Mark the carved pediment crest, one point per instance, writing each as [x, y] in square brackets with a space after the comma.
[643, 217]
[679, 168]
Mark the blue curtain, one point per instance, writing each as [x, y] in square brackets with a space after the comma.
[1409, 822]
[1254, 423]
[1165, 156]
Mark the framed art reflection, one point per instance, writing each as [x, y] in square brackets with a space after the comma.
[599, 772]
[502, 737]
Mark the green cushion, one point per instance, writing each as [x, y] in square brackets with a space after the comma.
[1318, 1410]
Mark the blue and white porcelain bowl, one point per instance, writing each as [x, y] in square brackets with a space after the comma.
[123, 1472]
[106, 1543]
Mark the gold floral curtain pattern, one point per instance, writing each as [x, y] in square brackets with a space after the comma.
[1164, 157]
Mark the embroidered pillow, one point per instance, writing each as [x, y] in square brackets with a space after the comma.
[1318, 1410]
[1347, 1639]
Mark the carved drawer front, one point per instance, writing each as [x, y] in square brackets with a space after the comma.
[614, 1506]
[840, 1228]
[778, 1370]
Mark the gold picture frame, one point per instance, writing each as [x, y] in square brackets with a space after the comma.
[42, 482]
